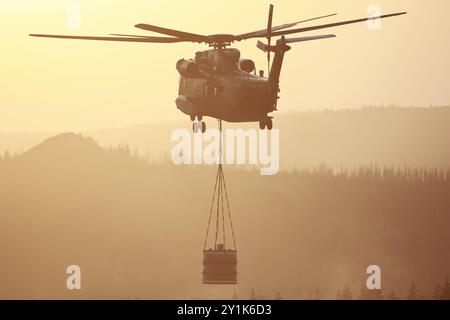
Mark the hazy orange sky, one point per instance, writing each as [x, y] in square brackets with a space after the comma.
[50, 85]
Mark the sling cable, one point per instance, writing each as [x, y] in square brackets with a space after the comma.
[219, 261]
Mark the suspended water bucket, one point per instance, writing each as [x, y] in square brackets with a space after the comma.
[219, 266]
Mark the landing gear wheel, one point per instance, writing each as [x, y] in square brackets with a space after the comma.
[195, 127]
[199, 126]
[262, 125]
[269, 124]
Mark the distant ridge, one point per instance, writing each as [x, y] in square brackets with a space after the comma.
[65, 148]
[389, 136]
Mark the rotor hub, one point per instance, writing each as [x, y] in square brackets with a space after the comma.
[220, 41]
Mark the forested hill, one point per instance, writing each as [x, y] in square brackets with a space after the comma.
[137, 229]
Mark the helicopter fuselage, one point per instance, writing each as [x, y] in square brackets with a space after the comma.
[218, 84]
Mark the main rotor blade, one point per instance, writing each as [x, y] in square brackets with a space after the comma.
[123, 39]
[269, 38]
[269, 23]
[330, 25]
[279, 27]
[174, 33]
[266, 48]
[303, 39]
[127, 35]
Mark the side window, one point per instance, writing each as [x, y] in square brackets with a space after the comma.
[209, 88]
[182, 88]
[212, 88]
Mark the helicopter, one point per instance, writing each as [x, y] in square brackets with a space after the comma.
[218, 82]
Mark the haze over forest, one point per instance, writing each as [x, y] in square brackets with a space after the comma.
[137, 228]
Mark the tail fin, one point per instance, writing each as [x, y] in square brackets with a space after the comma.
[274, 76]
[280, 49]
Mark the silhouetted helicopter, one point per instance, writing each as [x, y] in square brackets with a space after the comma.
[219, 83]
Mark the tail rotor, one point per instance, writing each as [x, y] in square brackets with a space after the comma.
[269, 37]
